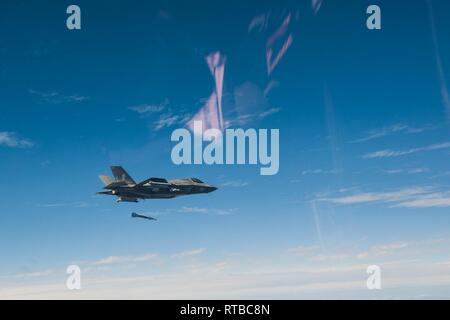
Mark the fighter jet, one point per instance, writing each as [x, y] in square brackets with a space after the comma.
[127, 190]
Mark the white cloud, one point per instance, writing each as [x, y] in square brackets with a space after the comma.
[194, 210]
[393, 153]
[397, 249]
[407, 171]
[77, 204]
[385, 131]
[189, 253]
[235, 184]
[269, 112]
[412, 249]
[303, 250]
[261, 282]
[315, 254]
[384, 250]
[206, 210]
[320, 171]
[146, 109]
[57, 98]
[111, 260]
[393, 196]
[168, 120]
[434, 200]
[206, 269]
[76, 98]
[336, 274]
[247, 118]
[35, 274]
[412, 197]
[330, 257]
[10, 139]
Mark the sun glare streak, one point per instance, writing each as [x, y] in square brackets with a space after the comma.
[211, 113]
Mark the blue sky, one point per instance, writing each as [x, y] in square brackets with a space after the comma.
[364, 149]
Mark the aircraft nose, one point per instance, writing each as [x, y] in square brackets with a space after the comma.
[211, 189]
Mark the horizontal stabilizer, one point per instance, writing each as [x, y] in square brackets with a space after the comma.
[105, 192]
[106, 180]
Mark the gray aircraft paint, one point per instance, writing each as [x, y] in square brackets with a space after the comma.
[127, 190]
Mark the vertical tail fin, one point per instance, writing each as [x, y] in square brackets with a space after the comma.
[121, 175]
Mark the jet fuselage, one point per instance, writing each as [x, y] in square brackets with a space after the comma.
[124, 187]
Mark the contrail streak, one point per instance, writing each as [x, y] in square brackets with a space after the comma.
[317, 222]
[440, 68]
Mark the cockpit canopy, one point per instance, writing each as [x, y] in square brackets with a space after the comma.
[158, 180]
[197, 180]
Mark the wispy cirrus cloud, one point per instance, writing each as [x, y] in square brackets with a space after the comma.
[213, 211]
[259, 22]
[268, 112]
[234, 184]
[395, 249]
[76, 204]
[404, 248]
[303, 250]
[164, 115]
[386, 131]
[11, 140]
[411, 197]
[320, 171]
[384, 250]
[34, 274]
[439, 65]
[387, 153]
[315, 5]
[189, 253]
[112, 260]
[54, 97]
[436, 200]
[148, 109]
[368, 197]
[192, 210]
[244, 119]
[169, 119]
[406, 171]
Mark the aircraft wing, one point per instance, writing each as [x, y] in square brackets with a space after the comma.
[140, 184]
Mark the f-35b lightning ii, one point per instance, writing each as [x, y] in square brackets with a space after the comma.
[127, 190]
